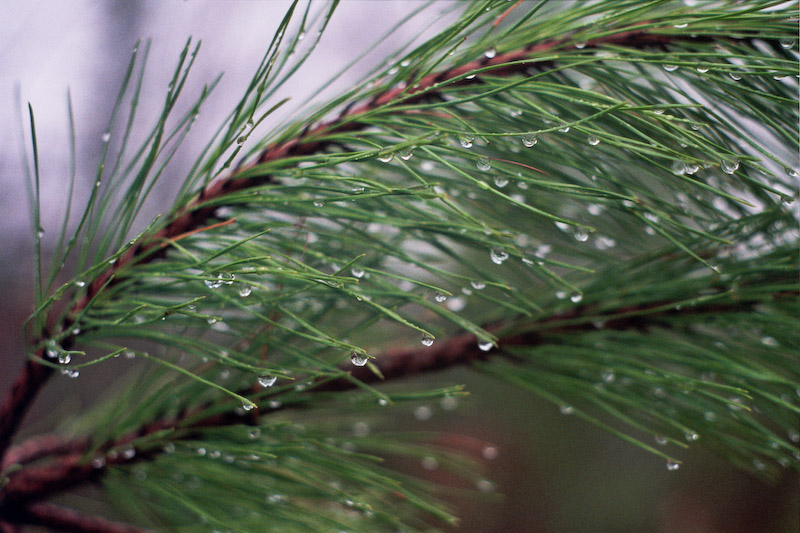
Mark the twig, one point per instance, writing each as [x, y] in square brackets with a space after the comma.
[34, 483]
[40, 447]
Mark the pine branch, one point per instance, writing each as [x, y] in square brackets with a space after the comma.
[196, 213]
[71, 467]
[612, 319]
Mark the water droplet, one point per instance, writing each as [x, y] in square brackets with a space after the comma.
[385, 158]
[265, 380]
[248, 406]
[566, 409]
[736, 75]
[766, 340]
[680, 26]
[361, 429]
[661, 440]
[792, 173]
[477, 285]
[241, 140]
[678, 167]
[604, 243]
[64, 358]
[357, 272]
[80, 283]
[449, 403]
[580, 45]
[70, 373]
[213, 283]
[500, 181]
[691, 168]
[672, 466]
[427, 340]
[440, 297]
[702, 68]
[691, 436]
[405, 154]
[581, 235]
[670, 68]
[250, 123]
[710, 416]
[563, 129]
[729, 166]
[423, 412]
[491, 52]
[106, 136]
[274, 404]
[245, 290]
[276, 498]
[383, 402]
[529, 140]
[466, 140]
[318, 204]
[593, 140]
[98, 462]
[129, 453]
[485, 346]
[484, 164]
[484, 485]
[594, 209]
[787, 43]
[489, 452]
[576, 297]
[358, 359]
[129, 354]
[498, 256]
[429, 463]
[52, 349]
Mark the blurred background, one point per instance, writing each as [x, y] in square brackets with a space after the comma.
[552, 473]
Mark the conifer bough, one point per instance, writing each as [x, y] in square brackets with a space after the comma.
[644, 269]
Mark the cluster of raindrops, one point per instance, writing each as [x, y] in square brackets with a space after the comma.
[423, 413]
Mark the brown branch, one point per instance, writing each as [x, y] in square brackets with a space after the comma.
[23, 391]
[39, 447]
[32, 484]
